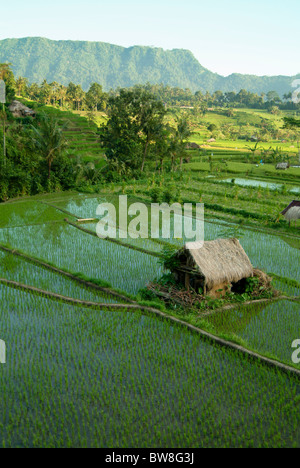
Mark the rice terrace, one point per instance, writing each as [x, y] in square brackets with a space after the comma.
[144, 336]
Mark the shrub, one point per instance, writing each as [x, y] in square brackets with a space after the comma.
[156, 195]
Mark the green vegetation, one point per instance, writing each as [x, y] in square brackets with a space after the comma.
[48, 140]
[290, 122]
[7, 76]
[34, 161]
[132, 377]
[58, 244]
[109, 356]
[267, 329]
[61, 150]
[132, 380]
[136, 121]
[16, 269]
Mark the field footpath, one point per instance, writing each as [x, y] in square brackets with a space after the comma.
[112, 292]
[135, 306]
[248, 303]
[210, 214]
[114, 241]
[73, 277]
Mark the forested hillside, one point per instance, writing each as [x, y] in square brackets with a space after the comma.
[113, 66]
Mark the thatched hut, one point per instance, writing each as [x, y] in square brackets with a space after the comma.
[282, 166]
[214, 266]
[292, 211]
[192, 145]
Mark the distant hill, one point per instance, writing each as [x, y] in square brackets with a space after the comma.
[83, 63]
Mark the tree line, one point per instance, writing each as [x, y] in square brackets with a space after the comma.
[177, 97]
[71, 96]
[95, 99]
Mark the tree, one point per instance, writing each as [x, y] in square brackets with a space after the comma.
[21, 85]
[71, 92]
[7, 76]
[95, 97]
[45, 93]
[183, 133]
[135, 125]
[254, 149]
[33, 92]
[218, 98]
[230, 97]
[242, 97]
[62, 94]
[75, 94]
[163, 147]
[288, 96]
[212, 127]
[54, 92]
[230, 112]
[290, 122]
[275, 110]
[79, 96]
[273, 98]
[152, 113]
[48, 139]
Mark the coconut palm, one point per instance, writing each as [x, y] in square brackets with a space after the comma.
[48, 139]
[62, 94]
[254, 149]
[21, 85]
[151, 114]
[183, 133]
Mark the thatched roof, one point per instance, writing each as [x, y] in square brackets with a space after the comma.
[292, 211]
[220, 261]
[282, 165]
[19, 110]
[192, 145]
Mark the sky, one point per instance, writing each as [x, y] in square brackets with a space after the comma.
[260, 37]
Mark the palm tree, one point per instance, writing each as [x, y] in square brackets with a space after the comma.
[174, 149]
[183, 133]
[21, 85]
[79, 96]
[62, 94]
[45, 93]
[54, 90]
[254, 149]
[48, 139]
[277, 154]
[151, 122]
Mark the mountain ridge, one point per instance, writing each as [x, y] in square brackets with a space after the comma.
[85, 62]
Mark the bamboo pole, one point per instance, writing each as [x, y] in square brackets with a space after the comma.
[3, 101]
[4, 136]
